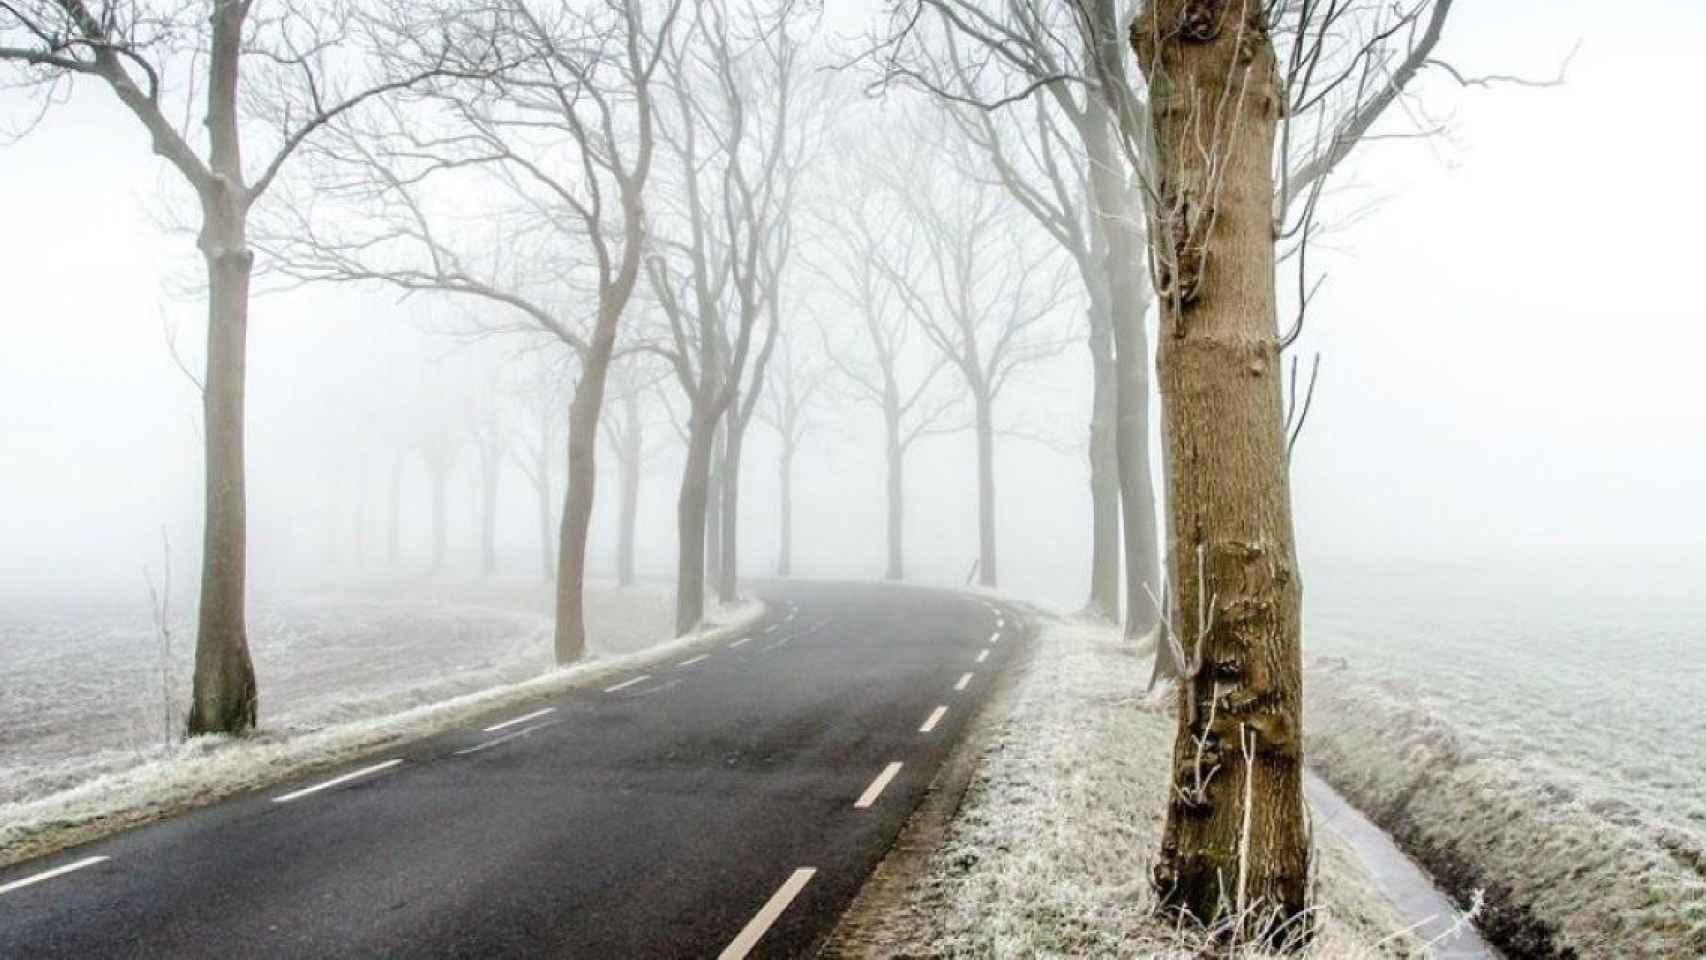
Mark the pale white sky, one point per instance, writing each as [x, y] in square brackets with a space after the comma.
[1512, 343]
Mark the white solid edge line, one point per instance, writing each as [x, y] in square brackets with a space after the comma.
[642, 678]
[494, 728]
[50, 874]
[739, 642]
[935, 718]
[353, 774]
[984, 655]
[690, 661]
[965, 681]
[875, 790]
[759, 925]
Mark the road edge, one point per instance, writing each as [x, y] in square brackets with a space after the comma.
[862, 925]
[299, 757]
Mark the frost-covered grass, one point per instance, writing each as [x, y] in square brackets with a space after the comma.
[1536, 732]
[1050, 851]
[349, 675]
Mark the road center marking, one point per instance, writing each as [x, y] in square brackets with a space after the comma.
[760, 923]
[995, 637]
[690, 661]
[50, 874]
[935, 718]
[353, 774]
[965, 681]
[494, 728]
[642, 678]
[875, 790]
[982, 656]
[524, 731]
[739, 642]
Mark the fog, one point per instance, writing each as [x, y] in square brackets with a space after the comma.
[1509, 335]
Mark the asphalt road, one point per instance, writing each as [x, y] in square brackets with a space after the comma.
[723, 806]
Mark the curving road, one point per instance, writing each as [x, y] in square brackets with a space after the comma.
[727, 805]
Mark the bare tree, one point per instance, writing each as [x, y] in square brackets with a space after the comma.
[626, 437]
[568, 130]
[866, 242]
[734, 80]
[985, 300]
[270, 80]
[796, 379]
[1251, 108]
[1057, 68]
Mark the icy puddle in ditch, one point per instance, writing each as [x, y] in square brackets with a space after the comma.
[1400, 879]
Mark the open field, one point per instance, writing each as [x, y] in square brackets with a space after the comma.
[1534, 731]
[81, 687]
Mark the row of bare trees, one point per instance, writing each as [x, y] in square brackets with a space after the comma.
[621, 187]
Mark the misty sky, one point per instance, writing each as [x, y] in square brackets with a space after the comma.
[1511, 334]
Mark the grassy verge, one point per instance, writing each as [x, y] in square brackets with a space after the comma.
[1048, 852]
[1569, 868]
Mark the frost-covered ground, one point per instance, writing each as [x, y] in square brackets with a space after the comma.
[81, 729]
[1535, 731]
[1049, 852]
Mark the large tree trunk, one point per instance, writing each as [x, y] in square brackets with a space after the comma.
[690, 529]
[986, 575]
[1235, 838]
[728, 571]
[570, 640]
[633, 443]
[896, 501]
[224, 699]
[785, 469]
[1104, 466]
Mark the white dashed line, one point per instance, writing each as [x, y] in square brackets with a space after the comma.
[50, 874]
[965, 681]
[772, 628]
[494, 728]
[982, 656]
[760, 923]
[642, 678]
[789, 618]
[524, 731]
[935, 718]
[995, 637]
[737, 643]
[690, 661]
[364, 771]
[875, 790]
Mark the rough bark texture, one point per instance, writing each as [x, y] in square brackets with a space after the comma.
[1235, 840]
[224, 698]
